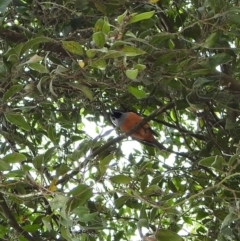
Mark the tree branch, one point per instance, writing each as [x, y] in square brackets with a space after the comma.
[15, 37]
[12, 221]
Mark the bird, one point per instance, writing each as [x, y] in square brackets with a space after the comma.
[128, 120]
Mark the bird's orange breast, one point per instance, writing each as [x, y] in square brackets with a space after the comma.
[144, 133]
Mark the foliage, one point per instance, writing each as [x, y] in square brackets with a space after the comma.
[64, 65]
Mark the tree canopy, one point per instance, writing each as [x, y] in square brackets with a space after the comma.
[65, 174]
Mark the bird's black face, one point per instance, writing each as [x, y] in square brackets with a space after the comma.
[115, 116]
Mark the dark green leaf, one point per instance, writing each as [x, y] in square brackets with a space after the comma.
[39, 40]
[4, 4]
[39, 68]
[49, 154]
[142, 16]
[86, 90]
[99, 39]
[121, 179]
[12, 91]
[218, 59]
[38, 161]
[14, 158]
[18, 120]
[4, 166]
[82, 193]
[211, 40]
[103, 165]
[121, 201]
[132, 73]
[164, 234]
[142, 223]
[132, 51]
[73, 47]
[98, 25]
[138, 93]
[214, 161]
[31, 228]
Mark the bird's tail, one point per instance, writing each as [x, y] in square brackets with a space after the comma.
[159, 145]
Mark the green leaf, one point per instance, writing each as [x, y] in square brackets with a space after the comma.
[62, 170]
[181, 104]
[31, 228]
[42, 80]
[60, 69]
[99, 64]
[91, 53]
[51, 88]
[201, 214]
[18, 120]
[82, 193]
[140, 66]
[119, 202]
[121, 179]
[165, 235]
[16, 173]
[153, 189]
[84, 214]
[12, 91]
[132, 73]
[194, 102]
[160, 38]
[98, 25]
[233, 160]
[13, 58]
[132, 51]
[122, 17]
[66, 234]
[112, 54]
[38, 161]
[211, 40]
[214, 161]
[201, 82]
[14, 158]
[233, 18]
[106, 26]
[141, 16]
[231, 217]
[139, 94]
[59, 201]
[218, 59]
[49, 154]
[4, 166]
[47, 221]
[198, 72]
[103, 165]
[142, 223]
[3, 70]
[100, 6]
[86, 90]
[99, 39]
[144, 182]
[73, 47]
[39, 40]
[4, 4]
[52, 134]
[39, 68]
[34, 59]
